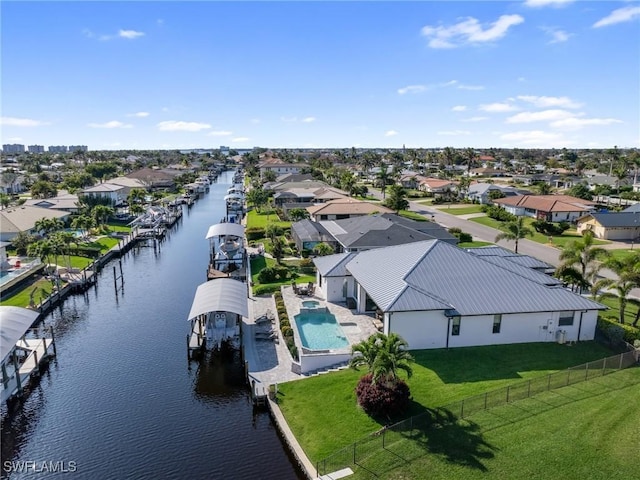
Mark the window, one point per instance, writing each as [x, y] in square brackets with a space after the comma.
[455, 326]
[566, 319]
[497, 321]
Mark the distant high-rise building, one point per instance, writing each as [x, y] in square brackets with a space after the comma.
[78, 148]
[36, 148]
[57, 149]
[13, 148]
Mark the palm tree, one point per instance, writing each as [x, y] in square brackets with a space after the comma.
[101, 213]
[516, 230]
[321, 249]
[384, 356]
[470, 153]
[578, 261]
[628, 273]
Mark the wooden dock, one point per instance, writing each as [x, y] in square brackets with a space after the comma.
[38, 351]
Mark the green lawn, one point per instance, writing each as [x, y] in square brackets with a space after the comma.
[566, 238]
[21, 298]
[260, 262]
[464, 210]
[588, 430]
[255, 219]
[474, 244]
[622, 253]
[323, 414]
[412, 215]
[614, 310]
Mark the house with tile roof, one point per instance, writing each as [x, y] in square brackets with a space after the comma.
[437, 186]
[344, 208]
[436, 295]
[552, 208]
[14, 220]
[611, 225]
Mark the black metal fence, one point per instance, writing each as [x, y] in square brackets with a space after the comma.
[365, 453]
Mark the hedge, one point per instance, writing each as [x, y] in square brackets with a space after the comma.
[254, 233]
[618, 331]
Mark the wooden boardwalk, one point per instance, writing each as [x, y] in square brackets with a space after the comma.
[38, 349]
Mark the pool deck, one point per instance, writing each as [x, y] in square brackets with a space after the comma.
[269, 362]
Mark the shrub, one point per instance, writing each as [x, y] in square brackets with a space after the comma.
[616, 331]
[254, 233]
[264, 289]
[382, 399]
[272, 274]
[460, 235]
[287, 331]
[498, 213]
[305, 253]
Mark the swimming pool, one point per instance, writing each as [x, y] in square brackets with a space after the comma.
[320, 331]
[310, 304]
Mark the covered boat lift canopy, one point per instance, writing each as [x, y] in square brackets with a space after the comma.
[14, 323]
[234, 196]
[220, 295]
[226, 228]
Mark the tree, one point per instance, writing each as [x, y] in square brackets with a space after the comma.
[397, 199]
[5, 200]
[580, 190]
[101, 170]
[22, 241]
[269, 176]
[277, 249]
[463, 186]
[579, 261]
[321, 249]
[516, 230]
[470, 153]
[101, 213]
[297, 214]
[82, 223]
[258, 197]
[272, 231]
[383, 177]
[628, 273]
[136, 195]
[41, 249]
[543, 188]
[47, 226]
[43, 189]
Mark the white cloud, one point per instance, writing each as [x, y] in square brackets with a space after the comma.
[390, 133]
[574, 123]
[459, 108]
[308, 119]
[544, 3]
[531, 137]
[474, 119]
[544, 102]
[111, 124]
[471, 87]
[220, 133]
[240, 139]
[412, 89]
[497, 107]
[21, 122]
[138, 114]
[454, 132]
[624, 14]
[541, 116]
[130, 34]
[557, 36]
[469, 31]
[173, 125]
[289, 119]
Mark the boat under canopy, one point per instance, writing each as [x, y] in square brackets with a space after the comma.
[226, 228]
[234, 196]
[220, 295]
[15, 323]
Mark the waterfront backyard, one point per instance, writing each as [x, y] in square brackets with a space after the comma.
[322, 410]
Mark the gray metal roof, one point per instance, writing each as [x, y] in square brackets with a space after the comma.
[333, 265]
[633, 208]
[220, 295]
[450, 275]
[225, 228]
[310, 231]
[14, 323]
[534, 275]
[618, 219]
[524, 260]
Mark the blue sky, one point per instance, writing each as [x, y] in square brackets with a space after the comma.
[164, 75]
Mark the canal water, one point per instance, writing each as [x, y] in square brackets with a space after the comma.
[119, 401]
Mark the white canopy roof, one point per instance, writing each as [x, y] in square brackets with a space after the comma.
[233, 196]
[14, 322]
[227, 228]
[220, 295]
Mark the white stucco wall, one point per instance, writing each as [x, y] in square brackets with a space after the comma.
[428, 329]
[332, 288]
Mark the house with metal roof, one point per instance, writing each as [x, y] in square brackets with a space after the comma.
[479, 192]
[344, 208]
[436, 295]
[611, 225]
[14, 220]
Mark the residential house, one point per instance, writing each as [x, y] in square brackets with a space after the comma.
[64, 201]
[11, 183]
[552, 208]
[436, 295]
[367, 232]
[611, 225]
[437, 186]
[486, 172]
[344, 208]
[480, 192]
[155, 179]
[280, 167]
[14, 220]
[115, 194]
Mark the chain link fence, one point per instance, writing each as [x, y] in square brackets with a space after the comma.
[365, 453]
